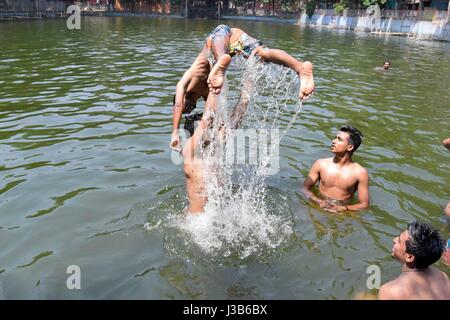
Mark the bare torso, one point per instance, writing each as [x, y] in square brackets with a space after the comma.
[197, 75]
[193, 170]
[339, 182]
[430, 284]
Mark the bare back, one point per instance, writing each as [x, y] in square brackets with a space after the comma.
[431, 284]
[195, 77]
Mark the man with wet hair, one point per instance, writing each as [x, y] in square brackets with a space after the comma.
[417, 248]
[207, 73]
[386, 65]
[339, 177]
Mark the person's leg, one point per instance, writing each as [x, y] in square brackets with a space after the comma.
[217, 74]
[217, 42]
[303, 69]
[239, 110]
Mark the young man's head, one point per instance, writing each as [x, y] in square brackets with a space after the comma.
[386, 65]
[419, 246]
[347, 139]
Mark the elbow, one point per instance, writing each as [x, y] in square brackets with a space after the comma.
[306, 192]
[365, 205]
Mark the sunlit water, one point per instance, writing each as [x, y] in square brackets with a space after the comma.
[87, 177]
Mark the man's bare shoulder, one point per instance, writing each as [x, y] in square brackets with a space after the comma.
[359, 169]
[440, 274]
[324, 161]
[392, 290]
[321, 164]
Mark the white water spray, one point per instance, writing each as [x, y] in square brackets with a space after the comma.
[239, 219]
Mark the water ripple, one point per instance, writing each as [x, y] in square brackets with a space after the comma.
[85, 122]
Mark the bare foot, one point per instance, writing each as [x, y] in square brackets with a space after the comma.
[217, 74]
[307, 81]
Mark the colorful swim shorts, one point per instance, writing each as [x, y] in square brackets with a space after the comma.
[239, 41]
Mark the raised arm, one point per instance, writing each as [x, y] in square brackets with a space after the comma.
[200, 135]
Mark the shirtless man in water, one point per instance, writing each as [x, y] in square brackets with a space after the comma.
[205, 76]
[339, 177]
[417, 248]
[196, 144]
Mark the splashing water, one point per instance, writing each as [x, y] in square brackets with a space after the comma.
[240, 219]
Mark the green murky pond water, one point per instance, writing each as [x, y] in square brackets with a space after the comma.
[85, 122]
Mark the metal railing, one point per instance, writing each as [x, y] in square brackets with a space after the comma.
[26, 15]
[428, 14]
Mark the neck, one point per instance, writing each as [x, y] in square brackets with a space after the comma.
[342, 158]
[405, 268]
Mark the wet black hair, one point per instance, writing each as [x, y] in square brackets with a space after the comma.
[355, 136]
[425, 244]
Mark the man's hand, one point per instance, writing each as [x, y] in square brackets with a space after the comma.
[325, 205]
[337, 208]
[175, 143]
[306, 81]
[331, 207]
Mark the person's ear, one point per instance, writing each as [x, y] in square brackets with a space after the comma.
[350, 147]
[409, 258]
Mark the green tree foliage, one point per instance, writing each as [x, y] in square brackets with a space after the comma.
[339, 7]
[367, 3]
[310, 7]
